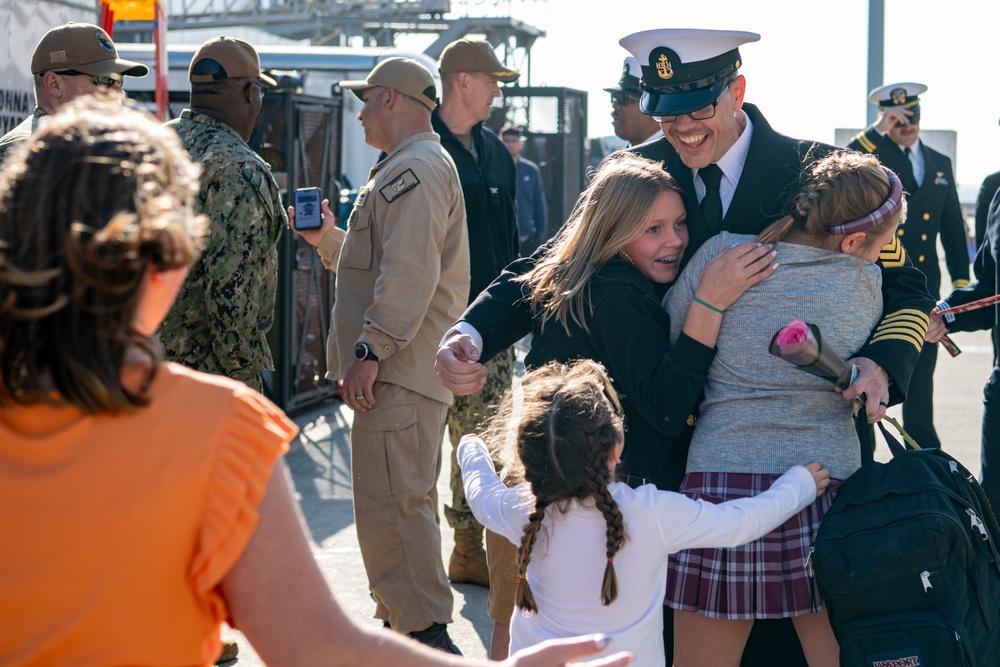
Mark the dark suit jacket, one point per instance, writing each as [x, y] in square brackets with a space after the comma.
[932, 209]
[986, 192]
[986, 282]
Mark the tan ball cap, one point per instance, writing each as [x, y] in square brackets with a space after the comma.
[475, 55]
[404, 75]
[83, 47]
[226, 58]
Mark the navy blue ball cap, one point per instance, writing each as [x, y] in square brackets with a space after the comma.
[684, 70]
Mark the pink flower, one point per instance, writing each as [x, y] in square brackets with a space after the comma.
[795, 331]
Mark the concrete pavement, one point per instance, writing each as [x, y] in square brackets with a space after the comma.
[320, 465]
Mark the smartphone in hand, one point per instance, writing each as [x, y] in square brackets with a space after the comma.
[308, 213]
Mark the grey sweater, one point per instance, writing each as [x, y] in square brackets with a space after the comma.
[761, 414]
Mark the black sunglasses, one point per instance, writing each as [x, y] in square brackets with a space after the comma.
[621, 98]
[107, 81]
[261, 88]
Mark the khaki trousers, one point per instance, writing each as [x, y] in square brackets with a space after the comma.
[395, 463]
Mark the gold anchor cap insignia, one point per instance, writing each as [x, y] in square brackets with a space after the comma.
[898, 96]
[663, 67]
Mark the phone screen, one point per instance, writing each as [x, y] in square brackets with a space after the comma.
[308, 213]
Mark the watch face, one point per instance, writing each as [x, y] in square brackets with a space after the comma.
[360, 351]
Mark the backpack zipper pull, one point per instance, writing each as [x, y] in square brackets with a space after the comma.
[977, 523]
[953, 466]
[925, 579]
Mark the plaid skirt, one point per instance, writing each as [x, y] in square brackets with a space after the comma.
[767, 578]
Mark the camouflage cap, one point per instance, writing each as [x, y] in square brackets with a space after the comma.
[83, 47]
[404, 75]
[226, 58]
[475, 55]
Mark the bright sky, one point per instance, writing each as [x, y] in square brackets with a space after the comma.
[808, 73]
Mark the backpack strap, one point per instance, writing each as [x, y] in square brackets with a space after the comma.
[866, 437]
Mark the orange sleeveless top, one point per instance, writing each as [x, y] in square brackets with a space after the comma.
[117, 529]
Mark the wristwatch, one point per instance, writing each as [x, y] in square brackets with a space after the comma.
[363, 352]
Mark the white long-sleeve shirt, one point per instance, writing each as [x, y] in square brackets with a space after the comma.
[568, 559]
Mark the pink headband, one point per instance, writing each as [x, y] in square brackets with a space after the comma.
[879, 215]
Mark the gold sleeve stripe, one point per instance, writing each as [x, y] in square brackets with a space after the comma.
[958, 284]
[865, 142]
[892, 254]
[906, 315]
[916, 341]
[906, 326]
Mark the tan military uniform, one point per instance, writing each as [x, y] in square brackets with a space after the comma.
[402, 279]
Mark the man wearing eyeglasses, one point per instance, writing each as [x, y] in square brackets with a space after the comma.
[71, 61]
[737, 174]
[226, 306]
[933, 209]
[629, 122]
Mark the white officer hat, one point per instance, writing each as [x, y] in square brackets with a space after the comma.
[683, 69]
[905, 94]
[629, 81]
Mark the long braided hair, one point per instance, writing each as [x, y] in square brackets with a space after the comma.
[845, 185]
[569, 425]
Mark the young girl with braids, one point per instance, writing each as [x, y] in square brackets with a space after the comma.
[760, 413]
[593, 552]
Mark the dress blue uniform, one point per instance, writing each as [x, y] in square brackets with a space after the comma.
[933, 209]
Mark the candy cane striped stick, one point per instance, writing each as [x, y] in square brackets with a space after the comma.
[972, 305]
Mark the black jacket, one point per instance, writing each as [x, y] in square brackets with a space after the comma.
[490, 189]
[628, 332]
[989, 188]
[986, 282]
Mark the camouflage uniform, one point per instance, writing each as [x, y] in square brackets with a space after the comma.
[20, 133]
[226, 306]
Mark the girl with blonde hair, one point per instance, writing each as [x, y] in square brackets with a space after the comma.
[760, 413]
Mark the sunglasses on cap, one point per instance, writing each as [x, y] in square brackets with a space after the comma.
[621, 98]
[105, 81]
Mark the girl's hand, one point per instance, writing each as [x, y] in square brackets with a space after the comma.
[820, 475]
[735, 270]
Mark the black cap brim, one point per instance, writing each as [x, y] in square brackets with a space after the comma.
[634, 93]
[674, 104]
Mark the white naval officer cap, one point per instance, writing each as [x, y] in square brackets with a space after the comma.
[684, 69]
[629, 81]
[904, 94]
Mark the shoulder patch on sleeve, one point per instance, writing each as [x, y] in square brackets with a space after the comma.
[263, 192]
[399, 186]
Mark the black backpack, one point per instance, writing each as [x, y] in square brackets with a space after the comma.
[907, 563]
